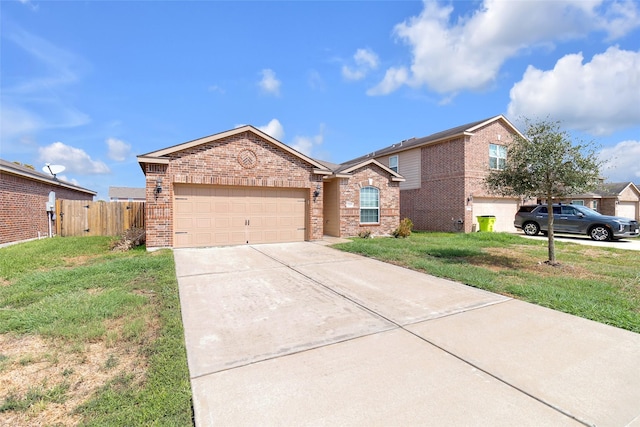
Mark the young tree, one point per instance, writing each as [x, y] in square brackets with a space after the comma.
[546, 164]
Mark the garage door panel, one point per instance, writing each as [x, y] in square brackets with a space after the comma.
[222, 222]
[627, 210]
[503, 209]
[182, 240]
[202, 206]
[238, 206]
[186, 207]
[183, 223]
[270, 207]
[221, 206]
[207, 215]
[203, 223]
[286, 222]
[255, 207]
[203, 238]
[270, 222]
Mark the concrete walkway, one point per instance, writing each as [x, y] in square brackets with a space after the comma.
[301, 334]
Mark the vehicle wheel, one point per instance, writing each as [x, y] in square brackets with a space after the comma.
[531, 229]
[600, 233]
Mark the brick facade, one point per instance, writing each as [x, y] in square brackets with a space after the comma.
[452, 174]
[24, 214]
[246, 157]
[220, 162]
[435, 205]
[369, 176]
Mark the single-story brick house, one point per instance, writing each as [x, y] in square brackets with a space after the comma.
[616, 198]
[243, 186]
[25, 193]
[444, 176]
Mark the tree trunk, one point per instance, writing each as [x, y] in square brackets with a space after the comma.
[550, 234]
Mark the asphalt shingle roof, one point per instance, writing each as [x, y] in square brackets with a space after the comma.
[19, 169]
[416, 142]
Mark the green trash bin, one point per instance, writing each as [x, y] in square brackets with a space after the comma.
[486, 222]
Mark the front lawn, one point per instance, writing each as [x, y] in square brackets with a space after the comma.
[597, 283]
[90, 337]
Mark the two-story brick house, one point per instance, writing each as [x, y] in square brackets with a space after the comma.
[444, 176]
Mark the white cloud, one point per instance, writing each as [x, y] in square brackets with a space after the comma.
[468, 54]
[74, 159]
[598, 97]
[619, 19]
[38, 100]
[393, 79]
[30, 4]
[274, 129]
[215, 88]
[269, 84]
[365, 61]
[118, 150]
[16, 121]
[308, 144]
[58, 66]
[316, 82]
[622, 162]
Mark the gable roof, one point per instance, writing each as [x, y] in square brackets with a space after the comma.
[615, 188]
[162, 156]
[127, 193]
[344, 170]
[25, 172]
[609, 189]
[463, 130]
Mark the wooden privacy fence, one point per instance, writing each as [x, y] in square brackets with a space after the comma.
[84, 218]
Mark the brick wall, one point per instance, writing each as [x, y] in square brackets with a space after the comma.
[477, 163]
[452, 171]
[433, 206]
[23, 204]
[219, 163]
[350, 196]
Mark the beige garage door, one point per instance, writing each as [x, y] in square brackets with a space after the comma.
[503, 209]
[627, 210]
[207, 215]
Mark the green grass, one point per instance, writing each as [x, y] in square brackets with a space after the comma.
[76, 292]
[34, 396]
[597, 283]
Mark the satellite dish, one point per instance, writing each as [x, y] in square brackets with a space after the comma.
[53, 169]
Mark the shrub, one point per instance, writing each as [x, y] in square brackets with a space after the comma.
[131, 238]
[404, 229]
[365, 234]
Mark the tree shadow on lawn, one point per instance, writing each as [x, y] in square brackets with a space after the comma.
[475, 257]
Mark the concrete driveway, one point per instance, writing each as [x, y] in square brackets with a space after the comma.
[301, 334]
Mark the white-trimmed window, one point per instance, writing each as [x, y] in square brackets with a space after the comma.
[594, 205]
[497, 156]
[577, 202]
[393, 163]
[369, 205]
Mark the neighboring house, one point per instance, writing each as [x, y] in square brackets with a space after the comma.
[444, 176]
[127, 194]
[617, 199]
[243, 186]
[24, 194]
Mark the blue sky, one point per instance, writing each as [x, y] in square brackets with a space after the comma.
[91, 85]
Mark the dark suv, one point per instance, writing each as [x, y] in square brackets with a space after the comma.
[575, 219]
